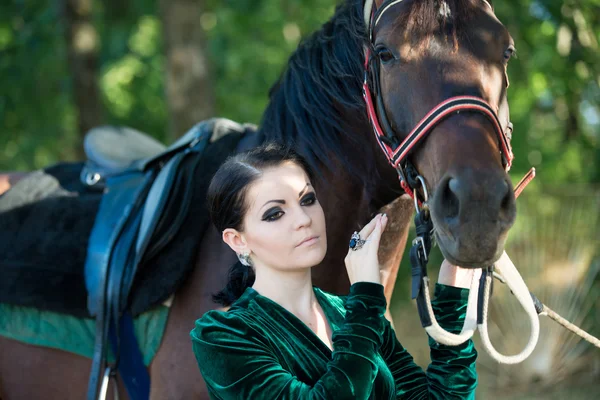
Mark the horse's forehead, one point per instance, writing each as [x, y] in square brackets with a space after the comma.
[481, 39]
[482, 21]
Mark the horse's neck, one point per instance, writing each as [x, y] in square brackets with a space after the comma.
[348, 207]
[349, 200]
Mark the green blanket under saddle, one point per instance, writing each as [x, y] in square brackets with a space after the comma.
[76, 335]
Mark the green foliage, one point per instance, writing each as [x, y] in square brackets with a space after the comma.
[37, 123]
[554, 92]
[132, 68]
[250, 43]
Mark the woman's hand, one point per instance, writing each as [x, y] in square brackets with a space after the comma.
[362, 265]
[452, 275]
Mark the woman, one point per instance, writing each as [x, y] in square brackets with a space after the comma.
[284, 339]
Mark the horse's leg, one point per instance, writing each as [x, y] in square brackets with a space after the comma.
[393, 243]
[33, 372]
[174, 371]
[9, 179]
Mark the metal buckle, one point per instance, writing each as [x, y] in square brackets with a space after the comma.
[425, 195]
[92, 178]
[418, 241]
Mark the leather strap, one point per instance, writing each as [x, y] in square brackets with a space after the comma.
[100, 258]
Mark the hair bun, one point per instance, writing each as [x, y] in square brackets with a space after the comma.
[240, 277]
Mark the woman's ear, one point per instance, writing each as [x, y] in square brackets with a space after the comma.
[236, 241]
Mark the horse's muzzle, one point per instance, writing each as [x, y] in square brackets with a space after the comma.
[472, 212]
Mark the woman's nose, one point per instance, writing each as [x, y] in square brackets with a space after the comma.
[303, 219]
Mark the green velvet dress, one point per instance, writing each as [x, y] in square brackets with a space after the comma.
[259, 350]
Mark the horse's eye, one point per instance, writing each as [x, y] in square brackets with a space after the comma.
[384, 54]
[509, 52]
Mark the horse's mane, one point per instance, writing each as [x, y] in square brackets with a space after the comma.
[318, 101]
[310, 103]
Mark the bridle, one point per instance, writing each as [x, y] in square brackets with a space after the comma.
[397, 154]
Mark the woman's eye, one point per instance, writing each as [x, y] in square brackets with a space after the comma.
[309, 200]
[273, 216]
[384, 54]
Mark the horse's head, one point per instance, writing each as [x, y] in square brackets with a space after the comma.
[425, 52]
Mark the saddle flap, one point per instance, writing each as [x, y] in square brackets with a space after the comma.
[118, 204]
[155, 202]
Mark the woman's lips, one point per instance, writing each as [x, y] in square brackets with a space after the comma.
[309, 241]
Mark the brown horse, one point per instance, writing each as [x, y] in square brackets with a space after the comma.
[427, 51]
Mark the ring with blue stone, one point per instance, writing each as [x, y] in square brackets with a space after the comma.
[356, 242]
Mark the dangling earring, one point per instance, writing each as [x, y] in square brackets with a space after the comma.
[245, 259]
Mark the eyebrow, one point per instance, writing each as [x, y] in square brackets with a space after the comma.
[274, 201]
[279, 201]
[304, 190]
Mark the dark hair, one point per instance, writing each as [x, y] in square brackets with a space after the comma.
[227, 202]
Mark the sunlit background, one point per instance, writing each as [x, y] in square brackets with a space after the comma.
[125, 51]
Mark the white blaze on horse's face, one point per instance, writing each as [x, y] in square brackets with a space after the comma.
[284, 226]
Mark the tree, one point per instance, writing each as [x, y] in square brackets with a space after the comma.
[189, 91]
[82, 44]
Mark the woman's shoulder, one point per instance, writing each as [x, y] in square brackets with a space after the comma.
[217, 325]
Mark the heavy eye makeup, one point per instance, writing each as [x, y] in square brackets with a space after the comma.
[275, 213]
[308, 199]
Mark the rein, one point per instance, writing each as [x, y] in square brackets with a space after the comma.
[397, 153]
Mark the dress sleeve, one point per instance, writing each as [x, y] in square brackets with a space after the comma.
[237, 362]
[451, 374]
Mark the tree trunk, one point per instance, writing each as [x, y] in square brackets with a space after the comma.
[83, 45]
[190, 96]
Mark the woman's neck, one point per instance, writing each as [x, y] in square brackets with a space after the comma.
[290, 289]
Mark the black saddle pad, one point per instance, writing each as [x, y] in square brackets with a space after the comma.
[45, 223]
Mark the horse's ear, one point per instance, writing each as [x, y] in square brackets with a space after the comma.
[368, 7]
[369, 3]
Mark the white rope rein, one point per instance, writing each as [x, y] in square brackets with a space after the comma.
[441, 335]
[518, 287]
[507, 273]
[573, 328]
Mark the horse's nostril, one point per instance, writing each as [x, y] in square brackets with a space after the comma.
[450, 203]
[505, 201]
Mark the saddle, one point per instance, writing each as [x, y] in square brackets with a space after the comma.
[143, 190]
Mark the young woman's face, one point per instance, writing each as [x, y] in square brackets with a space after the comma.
[284, 226]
